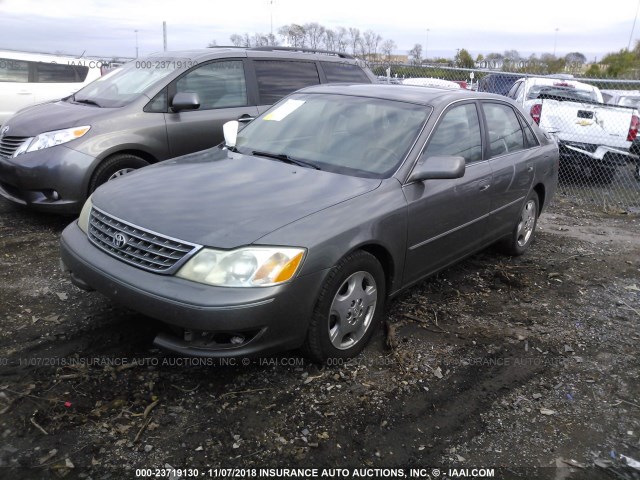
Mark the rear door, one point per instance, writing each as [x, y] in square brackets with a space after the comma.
[512, 160]
[222, 88]
[447, 218]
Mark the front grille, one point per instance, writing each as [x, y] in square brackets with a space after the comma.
[142, 248]
[8, 145]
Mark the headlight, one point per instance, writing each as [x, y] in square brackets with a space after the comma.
[51, 139]
[245, 267]
[83, 220]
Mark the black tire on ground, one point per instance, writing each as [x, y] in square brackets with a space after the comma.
[349, 308]
[114, 166]
[524, 230]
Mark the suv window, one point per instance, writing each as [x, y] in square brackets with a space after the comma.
[14, 70]
[218, 84]
[278, 78]
[344, 72]
[56, 73]
[457, 134]
[505, 133]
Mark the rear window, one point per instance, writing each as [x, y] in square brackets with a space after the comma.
[344, 72]
[570, 93]
[277, 78]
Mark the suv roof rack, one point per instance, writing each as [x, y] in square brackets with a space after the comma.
[303, 50]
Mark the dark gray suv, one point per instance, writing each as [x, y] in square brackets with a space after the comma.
[52, 156]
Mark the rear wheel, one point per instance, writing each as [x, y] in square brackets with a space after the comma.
[348, 309]
[523, 232]
[113, 167]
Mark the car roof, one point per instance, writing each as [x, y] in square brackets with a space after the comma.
[403, 93]
[211, 53]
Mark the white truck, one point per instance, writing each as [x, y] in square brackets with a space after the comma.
[594, 138]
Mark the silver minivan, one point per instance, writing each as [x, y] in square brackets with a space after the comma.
[52, 156]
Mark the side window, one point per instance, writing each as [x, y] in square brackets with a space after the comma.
[505, 133]
[457, 134]
[515, 90]
[277, 78]
[344, 72]
[14, 70]
[158, 103]
[57, 73]
[218, 84]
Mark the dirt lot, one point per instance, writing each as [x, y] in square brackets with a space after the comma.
[526, 365]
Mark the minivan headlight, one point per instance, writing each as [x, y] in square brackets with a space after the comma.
[244, 267]
[51, 139]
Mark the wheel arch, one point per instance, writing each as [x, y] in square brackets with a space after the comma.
[383, 256]
[541, 192]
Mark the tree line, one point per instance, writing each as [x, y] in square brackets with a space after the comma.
[372, 47]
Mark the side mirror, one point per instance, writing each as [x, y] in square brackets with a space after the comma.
[432, 168]
[185, 101]
[230, 131]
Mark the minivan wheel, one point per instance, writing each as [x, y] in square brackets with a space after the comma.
[113, 167]
[349, 307]
[523, 232]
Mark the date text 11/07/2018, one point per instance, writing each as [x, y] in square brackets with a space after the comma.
[390, 473]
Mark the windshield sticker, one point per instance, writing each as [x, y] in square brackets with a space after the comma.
[284, 110]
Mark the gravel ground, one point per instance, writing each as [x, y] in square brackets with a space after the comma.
[527, 365]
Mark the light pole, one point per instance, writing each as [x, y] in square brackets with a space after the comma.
[633, 27]
[271, 13]
[136, 43]
[426, 46]
[555, 41]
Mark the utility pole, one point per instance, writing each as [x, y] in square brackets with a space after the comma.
[136, 43]
[633, 27]
[426, 46]
[164, 35]
[555, 41]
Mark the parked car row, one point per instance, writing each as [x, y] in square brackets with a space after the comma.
[53, 155]
[294, 231]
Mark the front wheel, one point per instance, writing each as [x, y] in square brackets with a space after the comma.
[348, 309]
[523, 232]
[114, 167]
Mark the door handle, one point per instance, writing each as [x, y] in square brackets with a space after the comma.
[484, 187]
[245, 119]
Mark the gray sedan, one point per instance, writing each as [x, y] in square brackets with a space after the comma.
[296, 231]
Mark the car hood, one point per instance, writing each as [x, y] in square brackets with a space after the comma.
[222, 199]
[46, 117]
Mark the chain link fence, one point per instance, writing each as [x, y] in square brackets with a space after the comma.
[595, 121]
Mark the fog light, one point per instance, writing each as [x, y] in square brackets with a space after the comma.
[51, 195]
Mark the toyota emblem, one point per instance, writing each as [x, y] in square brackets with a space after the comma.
[119, 240]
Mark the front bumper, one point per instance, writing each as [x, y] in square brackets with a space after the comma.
[55, 179]
[267, 319]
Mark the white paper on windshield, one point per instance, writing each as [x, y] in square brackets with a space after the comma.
[284, 110]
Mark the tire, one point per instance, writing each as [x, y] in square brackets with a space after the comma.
[523, 232]
[349, 308]
[113, 167]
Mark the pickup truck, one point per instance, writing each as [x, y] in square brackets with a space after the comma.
[594, 138]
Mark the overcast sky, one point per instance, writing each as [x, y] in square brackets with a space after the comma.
[107, 28]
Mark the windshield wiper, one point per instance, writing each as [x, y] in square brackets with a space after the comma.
[86, 101]
[285, 158]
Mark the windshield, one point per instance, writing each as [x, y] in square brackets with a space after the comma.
[358, 136]
[564, 92]
[125, 84]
